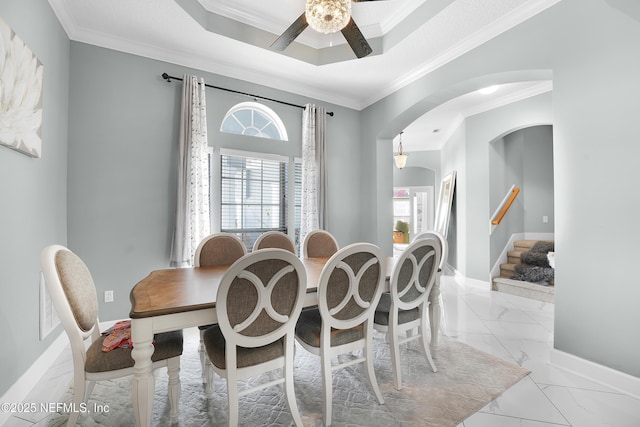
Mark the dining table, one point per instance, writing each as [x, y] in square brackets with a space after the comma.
[178, 298]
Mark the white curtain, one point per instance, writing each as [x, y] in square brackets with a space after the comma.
[192, 211]
[314, 177]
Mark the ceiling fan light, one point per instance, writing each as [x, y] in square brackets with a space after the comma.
[328, 16]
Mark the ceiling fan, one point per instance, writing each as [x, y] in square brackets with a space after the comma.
[327, 16]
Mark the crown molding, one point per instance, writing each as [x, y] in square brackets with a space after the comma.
[505, 23]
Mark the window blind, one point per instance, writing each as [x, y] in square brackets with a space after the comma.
[253, 196]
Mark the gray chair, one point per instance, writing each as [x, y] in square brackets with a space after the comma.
[274, 239]
[319, 243]
[74, 297]
[349, 289]
[258, 303]
[405, 307]
[216, 249]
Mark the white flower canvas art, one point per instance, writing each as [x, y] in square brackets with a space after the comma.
[20, 95]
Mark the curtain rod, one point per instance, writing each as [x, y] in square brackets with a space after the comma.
[168, 78]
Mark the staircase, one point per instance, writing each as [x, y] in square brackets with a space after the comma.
[505, 282]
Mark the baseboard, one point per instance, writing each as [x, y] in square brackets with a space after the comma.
[600, 374]
[21, 388]
[461, 278]
[19, 391]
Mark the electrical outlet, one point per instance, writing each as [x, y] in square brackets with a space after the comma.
[545, 219]
[108, 296]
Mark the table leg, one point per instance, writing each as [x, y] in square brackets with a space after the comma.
[143, 383]
[435, 311]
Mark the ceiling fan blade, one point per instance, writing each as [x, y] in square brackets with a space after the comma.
[290, 33]
[356, 40]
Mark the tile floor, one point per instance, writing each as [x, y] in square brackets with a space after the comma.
[508, 326]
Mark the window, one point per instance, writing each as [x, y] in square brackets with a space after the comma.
[254, 119]
[253, 195]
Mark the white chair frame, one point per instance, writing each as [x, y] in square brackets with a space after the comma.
[326, 351]
[394, 329]
[436, 313]
[234, 338]
[83, 381]
[196, 263]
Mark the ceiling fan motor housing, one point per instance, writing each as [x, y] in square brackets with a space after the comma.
[328, 16]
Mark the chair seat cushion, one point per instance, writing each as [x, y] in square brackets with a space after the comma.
[309, 327]
[215, 345]
[167, 345]
[384, 307]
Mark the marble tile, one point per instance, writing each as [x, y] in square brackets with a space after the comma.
[519, 331]
[595, 408]
[525, 400]
[481, 419]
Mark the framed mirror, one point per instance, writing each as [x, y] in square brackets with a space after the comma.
[445, 199]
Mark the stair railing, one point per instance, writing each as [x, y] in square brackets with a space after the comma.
[503, 208]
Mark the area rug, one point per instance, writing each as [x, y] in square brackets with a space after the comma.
[467, 379]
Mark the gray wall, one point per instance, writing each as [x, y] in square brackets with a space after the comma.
[33, 193]
[538, 179]
[413, 176]
[523, 158]
[123, 157]
[596, 127]
[596, 96]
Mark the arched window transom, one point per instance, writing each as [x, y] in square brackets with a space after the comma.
[254, 119]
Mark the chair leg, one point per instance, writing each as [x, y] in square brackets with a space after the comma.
[288, 385]
[327, 387]
[203, 357]
[394, 346]
[232, 395]
[79, 392]
[209, 384]
[425, 344]
[89, 385]
[173, 371]
[370, 371]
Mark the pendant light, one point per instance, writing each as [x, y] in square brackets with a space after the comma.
[400, 158]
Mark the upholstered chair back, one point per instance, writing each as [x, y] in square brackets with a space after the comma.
[319, 243]
[274, 239]
[219, 249]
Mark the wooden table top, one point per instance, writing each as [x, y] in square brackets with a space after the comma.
[177, 290]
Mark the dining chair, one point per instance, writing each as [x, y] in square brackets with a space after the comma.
[319, 243]
[404, 307]
[274, 239]
[349, 289]
[219, 249]
[74, 297]
[216, 249]
[444, 246]
[258, 303]
[436, 317]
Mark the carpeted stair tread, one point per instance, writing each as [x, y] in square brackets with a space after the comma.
[514, 257]
[523, 245]
[509, 271]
